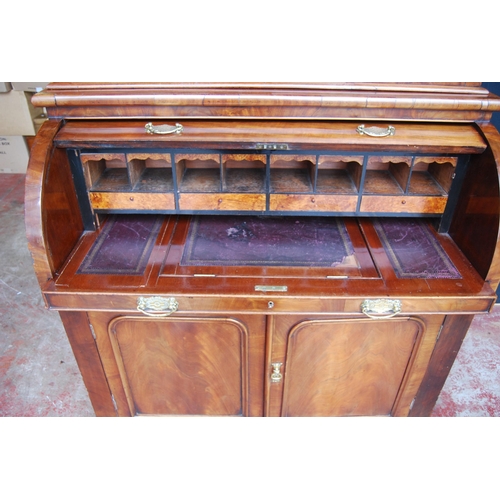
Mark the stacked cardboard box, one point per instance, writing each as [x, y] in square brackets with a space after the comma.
[19, 123]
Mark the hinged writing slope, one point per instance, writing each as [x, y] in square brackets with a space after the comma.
[329, 263]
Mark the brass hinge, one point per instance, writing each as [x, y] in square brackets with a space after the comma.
[92, 331]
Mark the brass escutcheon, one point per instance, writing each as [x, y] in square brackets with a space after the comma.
[276, 376]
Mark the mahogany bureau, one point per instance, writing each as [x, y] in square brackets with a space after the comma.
[265, 249]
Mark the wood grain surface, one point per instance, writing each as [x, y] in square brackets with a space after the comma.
[270, 100]
[336, 135]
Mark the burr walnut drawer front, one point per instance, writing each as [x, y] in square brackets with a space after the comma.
[222, 201]
[132, 201]
[402, 204]
[313, 203]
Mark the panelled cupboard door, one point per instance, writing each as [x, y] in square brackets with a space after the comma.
[179, 365]
[352, 367]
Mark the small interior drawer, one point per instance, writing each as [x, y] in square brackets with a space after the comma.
[312, 203]
[222, 201]
[404, 204]
[132, 201]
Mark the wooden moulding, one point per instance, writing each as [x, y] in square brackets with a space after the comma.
[244, 157]
[201, 298]
[304, 101]
[155, 157]
[282, 160]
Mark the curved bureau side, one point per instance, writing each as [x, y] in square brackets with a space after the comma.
[35, 179]
[52, 215]
[476, 223]
[493, 137]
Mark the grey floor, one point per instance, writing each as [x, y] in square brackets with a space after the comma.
[38, 372]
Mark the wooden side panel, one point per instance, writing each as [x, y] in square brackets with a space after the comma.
[53, 219]
[35, 178]
[475, 226]
[493, 276]
[443, 356]
[347, 368]
[63, 224]
[89, 361]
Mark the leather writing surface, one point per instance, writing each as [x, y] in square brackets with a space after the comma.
[413, 250]
[123, 247]
[273, 241]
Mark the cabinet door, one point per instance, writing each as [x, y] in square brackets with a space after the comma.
[181, 365]
[347, 367]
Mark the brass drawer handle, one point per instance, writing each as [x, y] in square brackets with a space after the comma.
[163, 129]
[159, 307]
[376, 131]
[381, 308]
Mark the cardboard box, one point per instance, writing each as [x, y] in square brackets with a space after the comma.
[29, 86]
[5, 87]
[17, 113]
[39, 121]
[14, 154]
